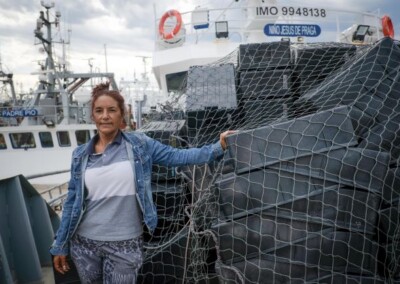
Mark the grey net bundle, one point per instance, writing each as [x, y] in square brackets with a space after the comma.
[308, 189]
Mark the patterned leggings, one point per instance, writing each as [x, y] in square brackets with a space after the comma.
[107, 261]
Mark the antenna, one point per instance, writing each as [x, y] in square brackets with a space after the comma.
[90, 62]
[144, 58]
[105, 55]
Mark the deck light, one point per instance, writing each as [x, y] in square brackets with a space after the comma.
[360, 33]
[221, 29]
[49, 122]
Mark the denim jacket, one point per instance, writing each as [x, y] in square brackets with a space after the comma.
[143, 152]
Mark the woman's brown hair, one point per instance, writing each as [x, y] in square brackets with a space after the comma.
[102, 89]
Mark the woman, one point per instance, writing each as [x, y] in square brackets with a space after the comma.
[109, 194]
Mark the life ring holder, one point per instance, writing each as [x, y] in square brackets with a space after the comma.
[387, 26]
[176, 29]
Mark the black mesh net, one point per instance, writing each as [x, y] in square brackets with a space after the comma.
[308, 189]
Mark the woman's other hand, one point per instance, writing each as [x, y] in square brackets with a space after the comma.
[60, 263]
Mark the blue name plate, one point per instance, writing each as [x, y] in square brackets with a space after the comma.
[288, 30]
[18, 112]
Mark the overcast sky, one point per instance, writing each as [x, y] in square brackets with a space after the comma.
[126, 27]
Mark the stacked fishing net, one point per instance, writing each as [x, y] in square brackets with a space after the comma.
[308, 189]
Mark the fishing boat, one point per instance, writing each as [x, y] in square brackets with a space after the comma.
[211, 31]
[307, 191]
[38, 135]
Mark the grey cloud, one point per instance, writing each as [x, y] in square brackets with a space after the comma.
[137, 13]
[18, 5]
[138, 29]
[78, 11]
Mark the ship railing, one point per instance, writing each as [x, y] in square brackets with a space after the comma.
[54, 195]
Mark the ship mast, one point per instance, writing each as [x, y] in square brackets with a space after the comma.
[44, 20]
[57, 84]
[7, 78]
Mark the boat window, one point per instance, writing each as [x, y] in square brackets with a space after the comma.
[46, 140]
[22, 140]
[176, 81]
[2, 142]
[63, 138]
[82, 136]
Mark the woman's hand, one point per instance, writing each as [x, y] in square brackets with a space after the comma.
[222, 137]
[60, 263]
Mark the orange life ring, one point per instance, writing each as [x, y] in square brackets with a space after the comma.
[177, 28]
[387, 26]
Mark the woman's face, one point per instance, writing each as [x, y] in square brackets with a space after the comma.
[107, 115]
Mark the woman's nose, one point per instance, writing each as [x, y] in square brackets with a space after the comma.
[105, 114]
